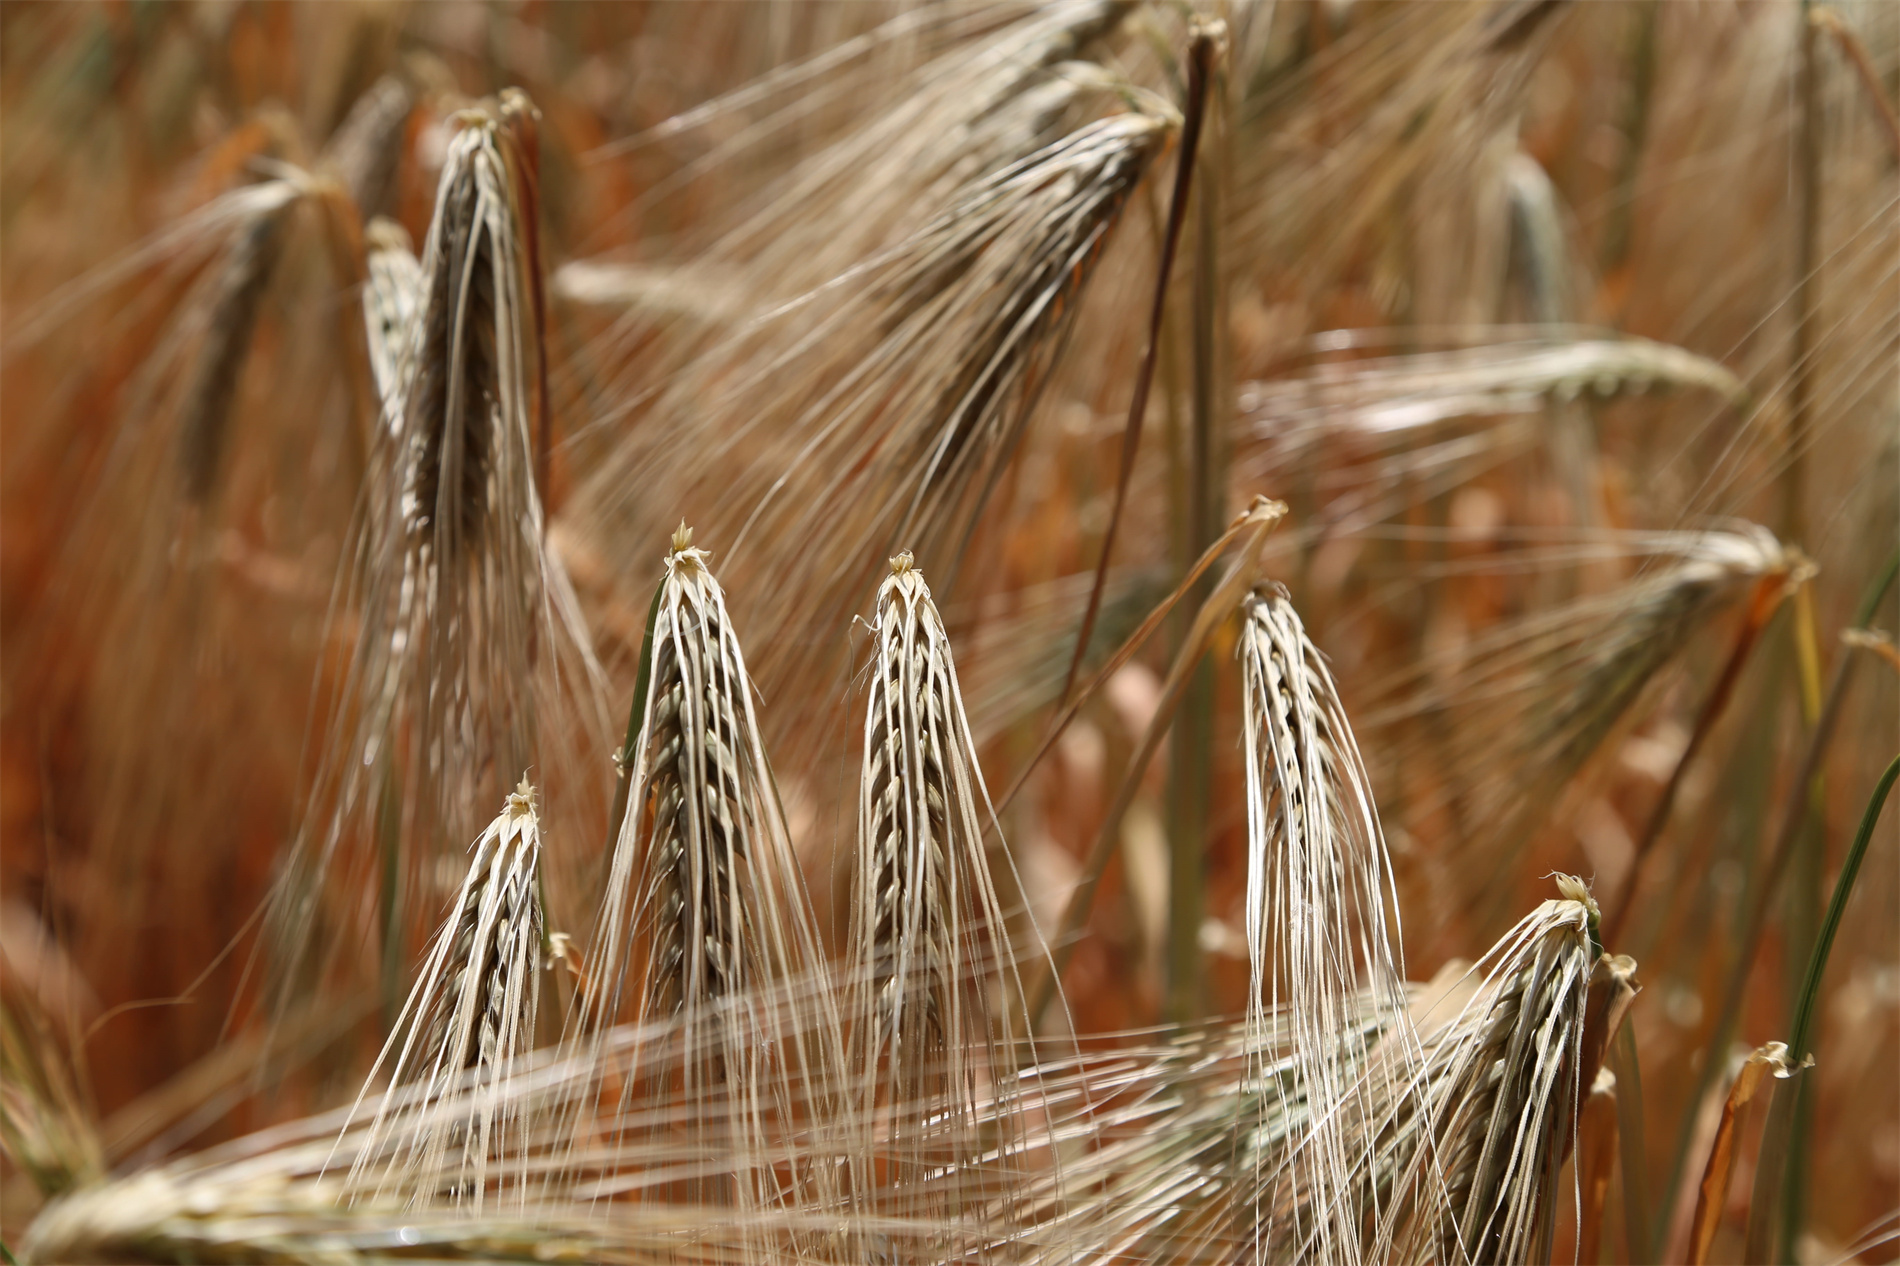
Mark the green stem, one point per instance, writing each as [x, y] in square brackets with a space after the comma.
[1756, 917]
[1775, 1202]
[1831, 924]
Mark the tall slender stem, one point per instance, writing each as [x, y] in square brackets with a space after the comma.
[1190, 782]
[1756, 917]
[1767, 598]
[1200, 57]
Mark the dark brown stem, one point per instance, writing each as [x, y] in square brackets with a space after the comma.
[1767, 598]
[1200, 57]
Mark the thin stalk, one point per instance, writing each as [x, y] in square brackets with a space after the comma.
[389, 841]
[1836, 906]
[1798, 810]
[1200, 56]
[1218, 607]
[1629, 1134]
[1263, 511]
[1190, 781]
[1767, 597]
[1616, 238]
[1777, 1205]
[1807, 232]
[1830, 19]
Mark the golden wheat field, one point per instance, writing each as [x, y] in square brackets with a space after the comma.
[886, 631]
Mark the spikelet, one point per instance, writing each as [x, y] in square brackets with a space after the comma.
[929, 947]
[1318, 884]
[470, 1016]
[704, 927]
[391, 297]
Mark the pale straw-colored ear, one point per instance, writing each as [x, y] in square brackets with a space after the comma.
[1319, 897]
[468, 1019]
[935, 998]
[704, 932]
[1475, 1141]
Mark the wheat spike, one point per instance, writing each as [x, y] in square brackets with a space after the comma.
[470, 1016]
[881, 407]
[1528, 705]
[929, 945]
[1493, 1113]
[704, 884]
[207, 411]
[1318, 886]
[469, 631]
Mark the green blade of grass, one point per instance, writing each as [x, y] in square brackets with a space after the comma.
[1756, 914]
[1775, 1209]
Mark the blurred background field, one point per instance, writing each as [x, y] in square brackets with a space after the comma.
[1569, 334]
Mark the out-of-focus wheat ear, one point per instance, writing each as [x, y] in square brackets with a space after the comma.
[456, 392]
[936, 1000]
[1498, 1100]
[469, 1016]
[205, 416]
[704, 886]
[392, 296]
[365, 149]
[1318, 886]
[1531, 703]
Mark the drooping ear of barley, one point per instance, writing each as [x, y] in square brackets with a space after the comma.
[1470, 1149]
[935, 999]
[469, 1017]
[1319, 885]
[1524, 708]
[881, 407]
[705, 925]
